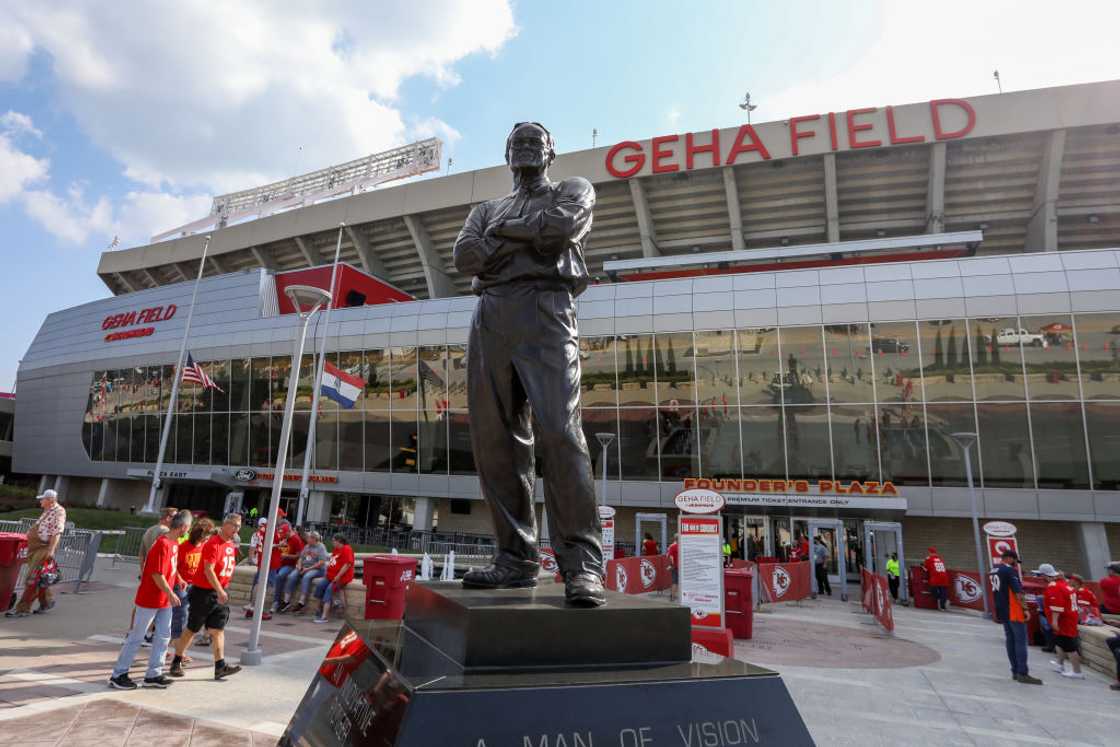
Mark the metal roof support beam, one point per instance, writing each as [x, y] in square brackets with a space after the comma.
[126, 282]
[1042, 230]
[645, 220]
[151, 276]
[831, 200]
[371, 263]
[186, 270]
[266, 260]
[309, 252]
[219, 265]
[435, 273]
[734, 210]
[935, 191]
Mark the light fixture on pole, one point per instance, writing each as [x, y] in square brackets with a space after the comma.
[747, 106]
[966, 440]
[605, 441]
[999, 83]
[307, 300]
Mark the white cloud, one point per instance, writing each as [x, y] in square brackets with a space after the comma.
[15, 46]
[673, 116]
[142, 214]
[952, 51]
[70, 218]
[186, 95]
[18, 170]
[16, 123]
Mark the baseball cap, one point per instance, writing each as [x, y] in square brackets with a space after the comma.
[262, 521]
[1114, 566]
[1010, 554]
[1046, 569]
[47, 494]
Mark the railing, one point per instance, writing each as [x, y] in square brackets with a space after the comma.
[75, 555]
[406, 540]
[127, 545]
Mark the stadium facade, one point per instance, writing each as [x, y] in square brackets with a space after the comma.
[826, 391]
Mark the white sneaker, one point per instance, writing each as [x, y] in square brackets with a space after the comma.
[319, 620]
[1074, 675]
[1059, 668]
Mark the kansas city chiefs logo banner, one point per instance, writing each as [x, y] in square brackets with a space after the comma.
[621, 578]
[784, 582]
[648, 573]
[780, 582]
[965, 590]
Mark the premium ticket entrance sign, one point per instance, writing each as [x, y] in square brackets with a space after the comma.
[701, 575]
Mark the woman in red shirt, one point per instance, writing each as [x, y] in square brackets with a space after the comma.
[190, 554]
[649, 545]
[340, 571]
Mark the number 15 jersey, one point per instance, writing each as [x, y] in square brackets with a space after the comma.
[223, 555]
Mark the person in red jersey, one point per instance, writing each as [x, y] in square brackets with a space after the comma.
[649, 545]
[674, 554]
[208, 598]
[290, 549]
[190, 556]
[1060, 603]
[1110, 590]
[340, 571]
[155, 598]
[1088, 609]
[938, 578]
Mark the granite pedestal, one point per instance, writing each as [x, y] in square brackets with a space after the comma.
[517, 668]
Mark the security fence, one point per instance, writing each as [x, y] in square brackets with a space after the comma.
[407, 540]
[75, 555]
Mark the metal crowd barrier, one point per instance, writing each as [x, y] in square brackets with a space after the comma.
[75, 555]
[128, 545]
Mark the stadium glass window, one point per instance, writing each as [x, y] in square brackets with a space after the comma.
[460, 452]
[605, 420]
[850, 369]
[1059, 445]
[326, 439]
[280, 370]
[898, 373]
[432, 372]
[220, 373]
[763, 442]
[720, 452]
[855, 448]
[946, 457]
[803, 369]
[376, 441]
[461, 506]
[297, 440]
[713, 356]
[136, 447]
[375, 369]
[759, 379]
[260, 390]
[634, 355]
[260, 454]
[305, 388]
[997, 358]
[432, 457]
[1098, 346]
[202, 438]
[404, 441]
[945, 349]
[239, 441]
[598, 383]
[183, 425]
[153, 431]
[350, 441]
[679, 439]
[673, 355]
[457, 377]
[1103, 421]
[240, 370]
[402, 377]
[902, 444]
[637, 442]
[219, 439]
[1005, 447]
[1050, 358]
[808, 455]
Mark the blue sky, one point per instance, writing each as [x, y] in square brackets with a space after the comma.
[126, 121]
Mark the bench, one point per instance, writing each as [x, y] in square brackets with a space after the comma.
[1094, 651]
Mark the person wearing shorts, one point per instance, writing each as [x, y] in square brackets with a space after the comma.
[208, 600]
[340, 571]
[1061, 610]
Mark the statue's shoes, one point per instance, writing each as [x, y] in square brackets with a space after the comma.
[503, 574]
[584, 590]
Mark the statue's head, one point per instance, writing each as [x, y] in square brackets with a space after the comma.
[529, 147]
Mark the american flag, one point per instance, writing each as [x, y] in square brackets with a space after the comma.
[193, 372]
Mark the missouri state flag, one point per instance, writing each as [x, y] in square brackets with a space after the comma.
[340, 386]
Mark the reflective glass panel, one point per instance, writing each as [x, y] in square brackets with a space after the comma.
[946, 457]
[433, 443]
[763, 439]
[854, 444]
[679, 436]
[600, 420]
[297, 439]
[350, 448]
[1050, 358]
[1103, 420]
[151, 389]
[184, 437]
[1098, 345]
[634, 356]
[802, 381]
[759, 383]
[457, 376]
[945, 345]
[281, 368]
[997, 357]
[136, 446]
[219, 439]
[239, 399]
[404, 441]
[376, 370]
[850, 378]
[1059, 445]
[402, 377]
[716, 369]
[675, 381]
[260, 455]
[1005, 446]
[152, 435]
[376, 428]
[807, 445]
[432, 365]
[219, 372]
[305, 388]
[239, 440]
[720, 455]
[894, 346]
[902, 444]
[461, 455]
[326, 440]
[637, 440]
[598, 385]
[260, 384]
[202, 438]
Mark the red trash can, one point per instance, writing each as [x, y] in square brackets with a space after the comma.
[13, 554]
[919, 589]
[387, 579]
[738, 601]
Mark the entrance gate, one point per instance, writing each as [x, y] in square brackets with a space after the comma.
[880, 540]
[661, 520]
[832, 532]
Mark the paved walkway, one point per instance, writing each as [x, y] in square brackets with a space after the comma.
[942, 679]
[964, 696]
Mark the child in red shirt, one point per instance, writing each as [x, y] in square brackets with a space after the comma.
[340, 571]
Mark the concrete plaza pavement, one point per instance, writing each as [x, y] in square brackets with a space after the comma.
[941, 679]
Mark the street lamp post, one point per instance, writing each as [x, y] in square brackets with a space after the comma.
[966, 441]
[313, 299]
[605, 441]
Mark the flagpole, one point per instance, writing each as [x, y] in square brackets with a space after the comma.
[305, 475]
[176, 376]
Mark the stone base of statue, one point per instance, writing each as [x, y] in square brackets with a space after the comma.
[513, 668]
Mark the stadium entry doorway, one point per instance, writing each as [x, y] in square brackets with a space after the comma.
[657, 525]
[881, 539]
[831, 531]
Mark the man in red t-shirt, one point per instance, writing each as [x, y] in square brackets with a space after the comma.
[340, 571]
[290, 548]
[208, 598]
[1110, 590]
[937, 576]
[674, 554]
[1060, 602]
[154, 600]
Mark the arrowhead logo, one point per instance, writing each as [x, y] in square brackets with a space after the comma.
[780, 582]
[966, 589]
[620, 578]
[648, 573]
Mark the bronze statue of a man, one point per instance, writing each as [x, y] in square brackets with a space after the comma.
[525, 251]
